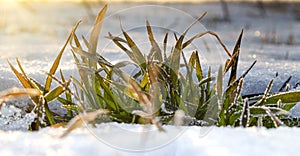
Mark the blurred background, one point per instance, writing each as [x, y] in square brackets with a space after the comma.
[35, 30]
[145, 0]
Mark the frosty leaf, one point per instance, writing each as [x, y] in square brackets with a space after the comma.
[261, 111]
[285, 97]
[245, 116]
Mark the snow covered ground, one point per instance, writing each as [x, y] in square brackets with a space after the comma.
[36, 32]
[116, 139]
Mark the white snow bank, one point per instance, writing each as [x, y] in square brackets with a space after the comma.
[176, 141]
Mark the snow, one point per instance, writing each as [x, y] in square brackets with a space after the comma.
[125, 139]
[36, 40]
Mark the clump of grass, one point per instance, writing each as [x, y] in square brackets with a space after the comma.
[158, 91]
[45, 94]
[158, 88]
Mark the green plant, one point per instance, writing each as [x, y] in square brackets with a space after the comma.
[158, 88]
[45, 93]
[161, 83]
[264, 110]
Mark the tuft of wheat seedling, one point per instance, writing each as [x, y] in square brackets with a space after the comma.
[159, 92]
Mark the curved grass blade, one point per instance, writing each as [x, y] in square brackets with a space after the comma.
[93, 41]
[155, 51]
[108, 94]
[135, 50]
[185, 44]
[32, 82]
[117, 41]
[285, 97]
[195, 62]
[25, 82]
[175, 54]
[91, 56]
[17, 92]
[87, 94]
[261, 111]
[57, 60]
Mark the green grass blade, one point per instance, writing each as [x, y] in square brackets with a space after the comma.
[220, 84]
[91, 56]
[53, 94]
[175, 60]
[85, 92]
[245, 116]
[66, 102]
[127, 51]
[185, 44]
[206, 80]
[175, 54]
[67, 92]
[135, 50]
[235, 59]
[156, 51]
[211, 112]
[77, 43]
[277, 122]
[207, 88]
[32, 82]
[196, 21]
[285, 97]
[234, 117]
[116, 38]
[261, 111]
[194, 62]
[199, 72]
[48, 113]
[288, 106]
[25, 82]
[108, 94]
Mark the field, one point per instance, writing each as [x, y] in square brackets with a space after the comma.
[36, 32]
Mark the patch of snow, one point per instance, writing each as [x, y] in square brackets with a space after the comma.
[176, 141]
[13, 118]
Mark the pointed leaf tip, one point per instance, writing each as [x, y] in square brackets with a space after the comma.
[241, 35]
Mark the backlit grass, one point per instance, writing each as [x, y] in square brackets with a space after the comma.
[158, 89]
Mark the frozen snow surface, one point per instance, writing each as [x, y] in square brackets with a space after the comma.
[123, 139]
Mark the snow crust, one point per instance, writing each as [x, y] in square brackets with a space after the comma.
[176, 141]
